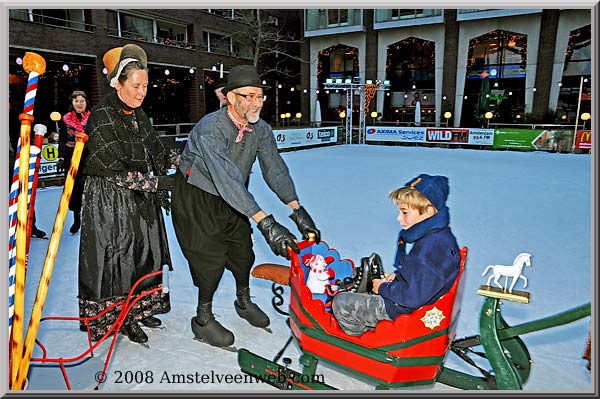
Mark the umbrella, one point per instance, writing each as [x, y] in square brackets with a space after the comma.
[318, 114]
[418, 113]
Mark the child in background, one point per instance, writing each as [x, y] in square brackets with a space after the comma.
[421, 276]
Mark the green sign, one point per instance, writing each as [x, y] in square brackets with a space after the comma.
[528, 139]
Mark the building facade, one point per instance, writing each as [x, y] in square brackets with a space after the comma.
[460, 67]
[188, 50]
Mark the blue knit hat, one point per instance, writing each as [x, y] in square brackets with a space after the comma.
[434, 188]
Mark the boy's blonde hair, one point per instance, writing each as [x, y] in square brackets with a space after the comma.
[412, 197]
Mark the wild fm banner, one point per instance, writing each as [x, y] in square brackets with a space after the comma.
[431, 135]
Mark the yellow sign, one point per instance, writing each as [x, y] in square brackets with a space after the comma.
[50, 152]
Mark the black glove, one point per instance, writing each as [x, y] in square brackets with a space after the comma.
[166, 182]
[278, 237]
[305, 224]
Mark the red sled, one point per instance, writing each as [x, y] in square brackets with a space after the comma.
[407, 351]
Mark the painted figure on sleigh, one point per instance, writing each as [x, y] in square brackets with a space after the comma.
[515, 271]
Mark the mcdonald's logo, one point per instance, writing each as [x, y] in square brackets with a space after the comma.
[586, 136]
[584, 139]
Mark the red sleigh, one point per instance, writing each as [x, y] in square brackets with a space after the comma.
[124, 307]
[407, 351]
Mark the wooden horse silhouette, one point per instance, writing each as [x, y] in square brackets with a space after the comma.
[514, 271]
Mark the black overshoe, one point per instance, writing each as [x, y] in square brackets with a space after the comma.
[76, 223]
[151, 322]
[250, 311]
[207, 329]
[37, 233]
[134, 332]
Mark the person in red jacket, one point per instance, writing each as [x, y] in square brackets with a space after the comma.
[421, 276]
[75, 121]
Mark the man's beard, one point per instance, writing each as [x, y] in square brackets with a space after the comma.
[252, 117]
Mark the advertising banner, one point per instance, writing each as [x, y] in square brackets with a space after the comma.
[532, 139]
[291, 138]
[398, 134]
[48, 161]
[583, 140]
[431, 135]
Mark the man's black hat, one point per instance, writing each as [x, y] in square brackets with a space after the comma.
[242, 76]
[222, 82]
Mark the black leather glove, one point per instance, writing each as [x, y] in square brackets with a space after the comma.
[278, 237]
[166, 182]
[305, 224]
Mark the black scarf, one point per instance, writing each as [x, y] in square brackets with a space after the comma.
[116, 145]
[121, 143]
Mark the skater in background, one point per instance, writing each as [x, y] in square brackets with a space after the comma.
[75, 121]
[212, 206]
[123, 236]
[421, 276]
[219, 85]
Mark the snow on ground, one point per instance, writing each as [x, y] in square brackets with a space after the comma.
[501, 203]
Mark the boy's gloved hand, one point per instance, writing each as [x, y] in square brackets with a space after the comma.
[166, 182]
[278, 237]
[305, 224]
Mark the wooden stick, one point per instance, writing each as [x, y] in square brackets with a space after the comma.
[40, 298]
[35, 65]
[21, 237]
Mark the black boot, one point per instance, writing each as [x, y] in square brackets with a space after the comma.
[248, 310]
[207, 329]
[132, 330]
[37, 233]
[151, 322]
[76, 223]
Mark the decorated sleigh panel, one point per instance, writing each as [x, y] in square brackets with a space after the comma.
[407, 351]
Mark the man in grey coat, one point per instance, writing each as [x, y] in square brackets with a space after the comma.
[212, 206]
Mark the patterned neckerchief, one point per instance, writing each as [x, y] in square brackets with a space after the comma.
[74, 123]
[240, 126]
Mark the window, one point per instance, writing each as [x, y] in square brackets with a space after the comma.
[146, 29]
[386, 15]
[337, 17]
[216, 43]
[73, 19]
[225, 13]
[317, 19]
[242, 50]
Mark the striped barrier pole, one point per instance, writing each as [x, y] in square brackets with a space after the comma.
[12, 228]
[40, 298]
[39, 130]
[35, 65]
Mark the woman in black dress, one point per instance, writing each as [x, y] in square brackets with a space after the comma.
[123, 235]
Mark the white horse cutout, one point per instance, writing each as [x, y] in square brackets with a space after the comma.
[514, 271]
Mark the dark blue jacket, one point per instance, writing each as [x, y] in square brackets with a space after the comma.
[428, 271]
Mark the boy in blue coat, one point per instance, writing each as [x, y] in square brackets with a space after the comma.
[421, 276]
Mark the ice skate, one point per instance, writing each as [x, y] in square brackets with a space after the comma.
[250, 311]
[207, 329]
